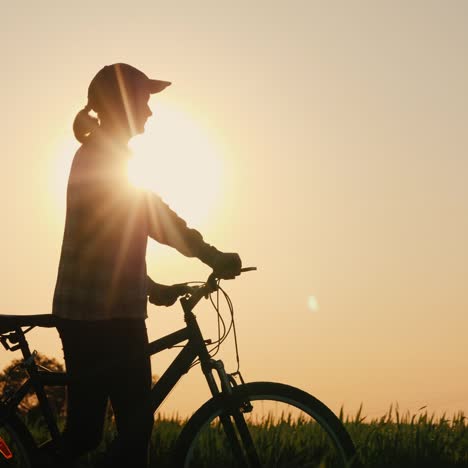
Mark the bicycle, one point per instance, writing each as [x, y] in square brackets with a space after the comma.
[240, 425]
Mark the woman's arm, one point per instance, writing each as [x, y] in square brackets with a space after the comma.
[166, 227]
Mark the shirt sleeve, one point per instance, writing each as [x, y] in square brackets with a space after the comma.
[166, 227]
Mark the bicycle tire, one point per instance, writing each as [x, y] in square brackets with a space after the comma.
[333, 448]
[17, 447]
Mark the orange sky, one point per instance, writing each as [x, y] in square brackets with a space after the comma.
[336, 135]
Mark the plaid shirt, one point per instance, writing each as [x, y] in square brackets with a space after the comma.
[102, 270]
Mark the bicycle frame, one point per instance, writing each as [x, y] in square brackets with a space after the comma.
[196, 347]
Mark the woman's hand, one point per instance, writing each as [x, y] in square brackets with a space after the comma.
[162, 295]
[227, 265]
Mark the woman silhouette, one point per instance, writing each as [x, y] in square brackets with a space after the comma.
[102, 286]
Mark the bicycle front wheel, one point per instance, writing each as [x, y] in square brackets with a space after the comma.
[265, 424]
[16, 445]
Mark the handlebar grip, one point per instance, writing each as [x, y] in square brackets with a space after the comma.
[243, 270]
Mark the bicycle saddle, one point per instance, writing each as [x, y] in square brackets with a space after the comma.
[10, 322]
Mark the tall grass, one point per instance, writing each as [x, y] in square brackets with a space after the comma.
[410, 440]
[391, 441]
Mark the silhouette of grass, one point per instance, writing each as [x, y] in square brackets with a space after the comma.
[411, 440]
[394, 440]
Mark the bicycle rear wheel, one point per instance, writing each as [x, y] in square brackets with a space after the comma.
[17, 446]
[265, 424]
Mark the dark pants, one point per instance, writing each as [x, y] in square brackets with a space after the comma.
[108, 360]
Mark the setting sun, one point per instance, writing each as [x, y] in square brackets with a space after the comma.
[177, 159]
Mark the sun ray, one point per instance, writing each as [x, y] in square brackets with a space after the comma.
[125, 99]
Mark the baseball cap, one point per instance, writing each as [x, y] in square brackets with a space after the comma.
[114, 79]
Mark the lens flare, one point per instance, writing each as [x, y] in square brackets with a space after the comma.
[312, 303]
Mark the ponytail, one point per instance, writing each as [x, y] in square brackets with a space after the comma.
[84, 124]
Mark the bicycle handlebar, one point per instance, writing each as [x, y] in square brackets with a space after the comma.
[212, 279]
[244, 270]
[190, 299]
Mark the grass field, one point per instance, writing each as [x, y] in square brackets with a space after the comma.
[394, 440]
[418, 440]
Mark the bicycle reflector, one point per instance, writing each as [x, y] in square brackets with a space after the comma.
[5, 450]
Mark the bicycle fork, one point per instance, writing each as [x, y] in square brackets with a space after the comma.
[232, 419]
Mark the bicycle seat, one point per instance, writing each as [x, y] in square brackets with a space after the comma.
[10, 322]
